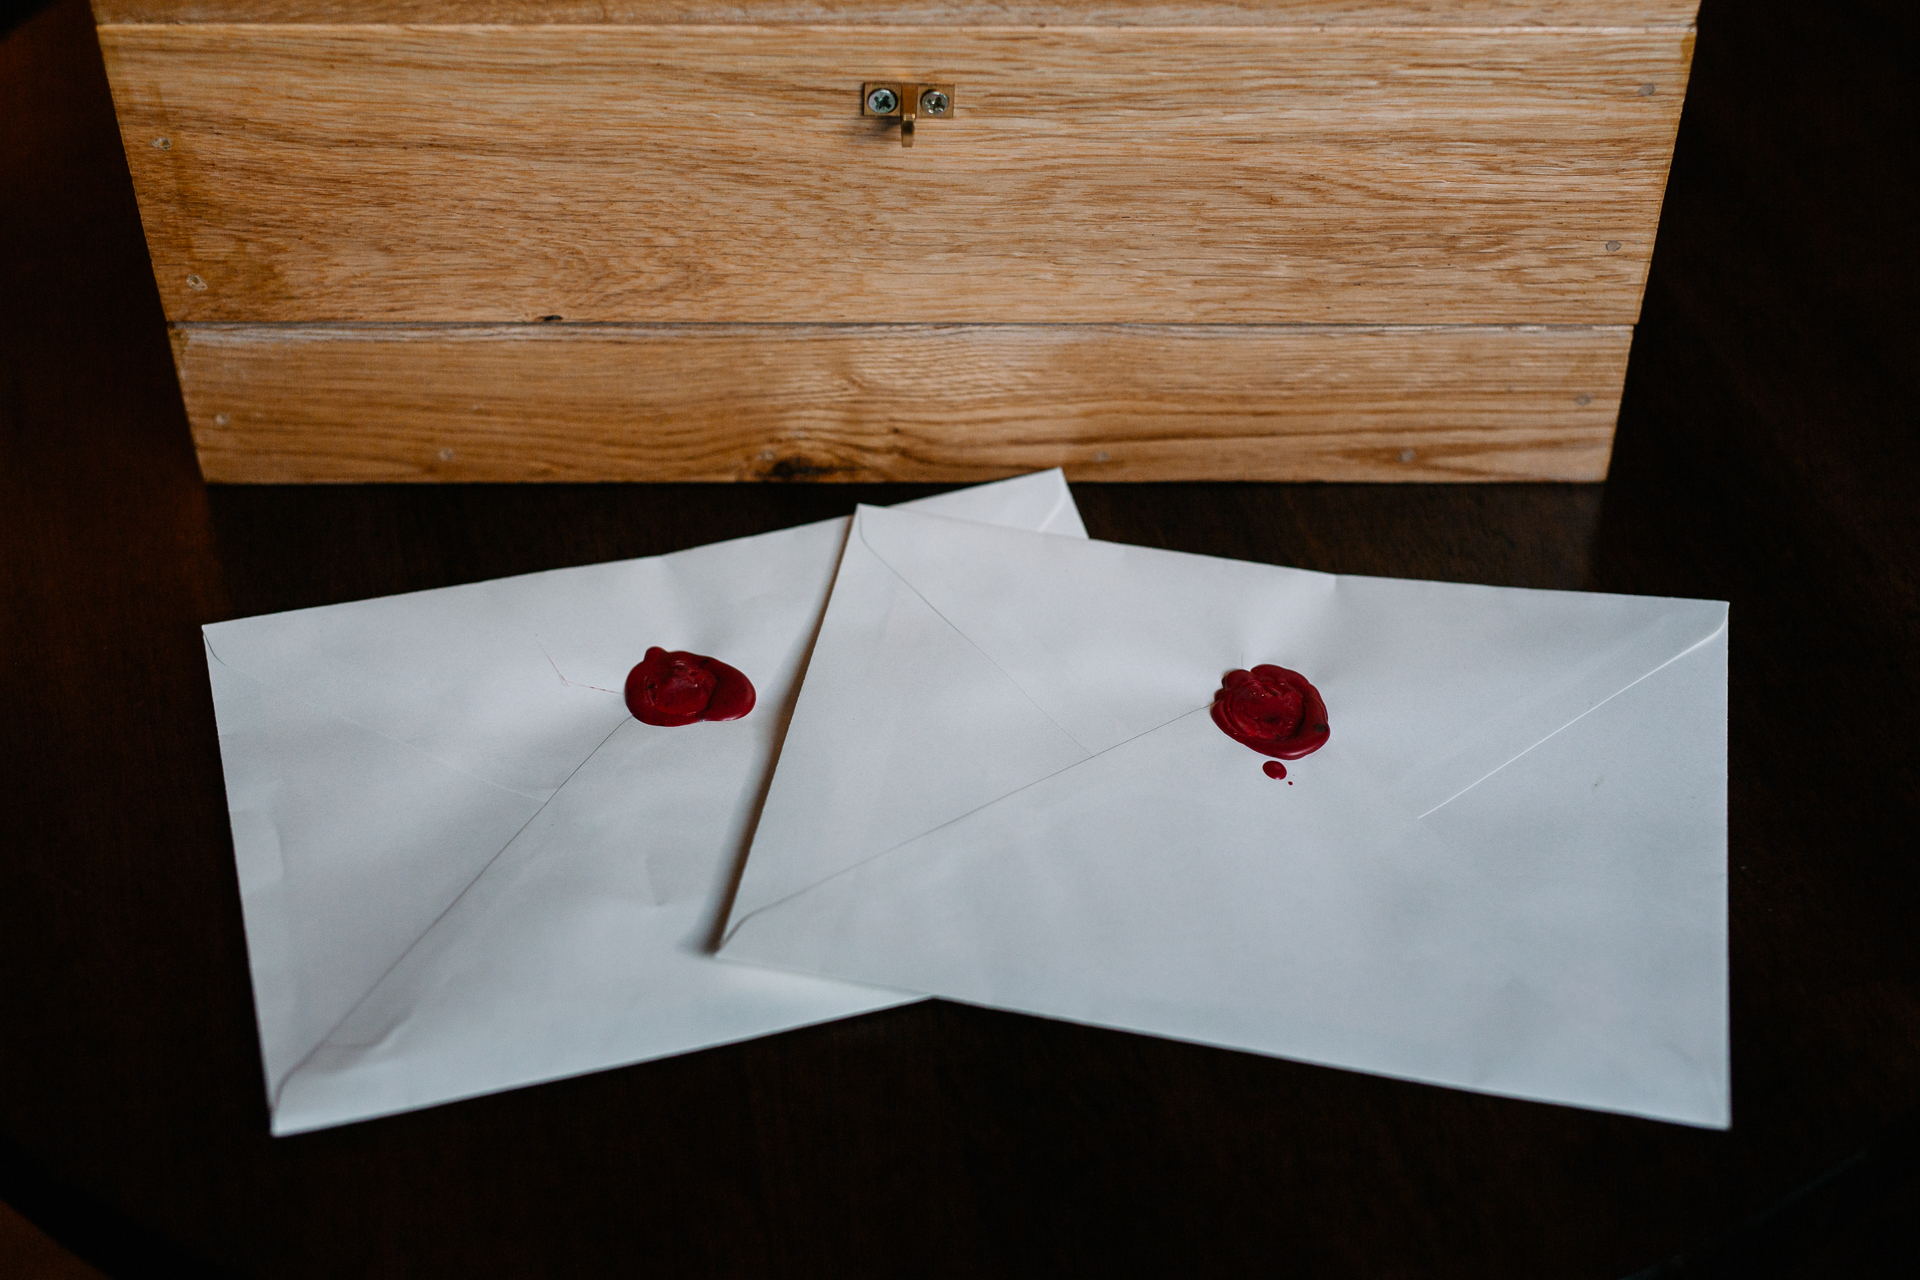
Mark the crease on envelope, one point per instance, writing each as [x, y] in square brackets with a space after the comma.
[562, 675]
[1619, 1004]
[859, 531]
[334, 942]
[1703, 641]
[608, 970]
[560, 960]
[412, 747]
[478, 876]
[734, 921]
[1594, 647]
[993, 734]
[456, 685]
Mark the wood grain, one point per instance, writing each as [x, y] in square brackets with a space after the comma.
[1468, 13]
[723, 174]
[734, 402]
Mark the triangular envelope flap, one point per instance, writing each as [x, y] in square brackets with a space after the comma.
[1438, 683]
[327, 817]
[1167, 886]
[467, 674]
[902, 724]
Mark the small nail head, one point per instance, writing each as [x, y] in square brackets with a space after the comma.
[163, 144]
[196, 283]
[1103, 456]
[1406, 455]
[1647, 90]
[1583, 398]
[446, 455]
[1613, 246]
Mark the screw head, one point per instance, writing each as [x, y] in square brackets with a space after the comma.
[934, 102]
[882, 102]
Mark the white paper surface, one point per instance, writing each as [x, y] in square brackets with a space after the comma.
[1506, 871]
[464, 867]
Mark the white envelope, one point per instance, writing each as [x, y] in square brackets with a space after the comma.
[1505, 871]
[465, 867]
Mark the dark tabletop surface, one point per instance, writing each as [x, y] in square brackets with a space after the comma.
[1766, 455]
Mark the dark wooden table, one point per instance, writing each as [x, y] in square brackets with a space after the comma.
[1766, 455]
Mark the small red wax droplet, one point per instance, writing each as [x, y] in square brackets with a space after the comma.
[679, 688]
[1274, 769]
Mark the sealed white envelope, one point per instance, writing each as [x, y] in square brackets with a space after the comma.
[465, 867]
[1504, 870]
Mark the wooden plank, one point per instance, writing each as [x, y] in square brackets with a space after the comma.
[1362, 13]
[676, 174]
[960, 402]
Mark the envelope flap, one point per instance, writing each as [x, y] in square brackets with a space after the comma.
[1438, 684]
[1110, 640]
[466, 674]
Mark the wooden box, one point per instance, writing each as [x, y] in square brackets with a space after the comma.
[667, 240]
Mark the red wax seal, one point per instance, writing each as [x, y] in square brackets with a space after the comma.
[672, 689]
[1273, 710]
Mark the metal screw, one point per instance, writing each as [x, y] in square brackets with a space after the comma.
[882, 102]
[934, 102]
